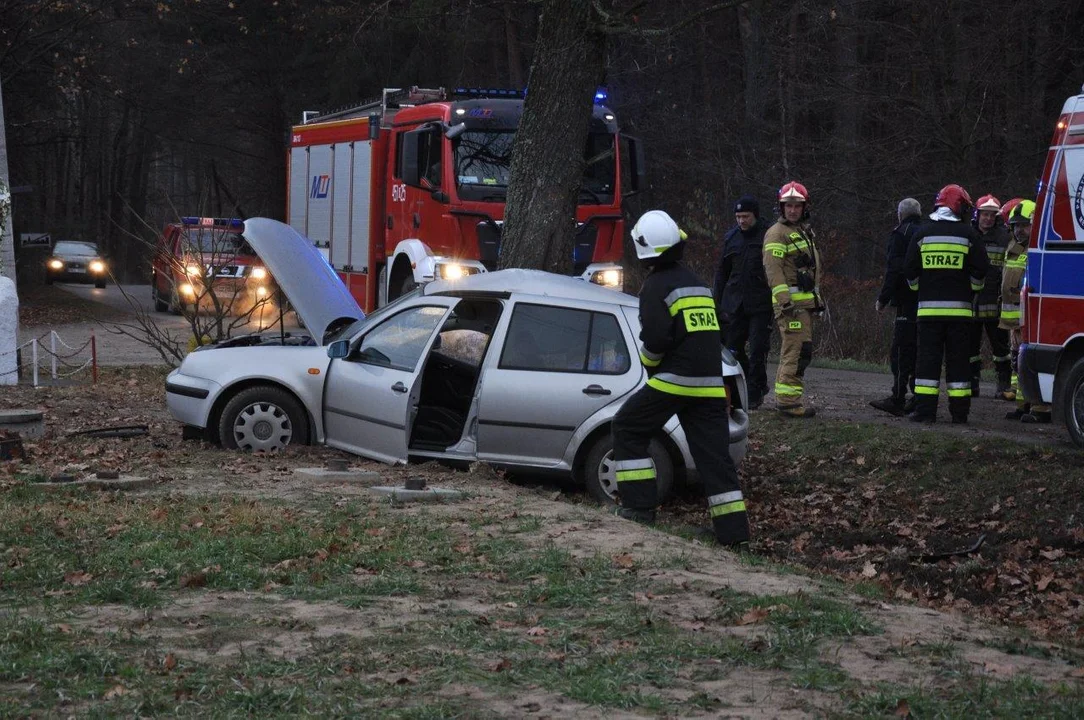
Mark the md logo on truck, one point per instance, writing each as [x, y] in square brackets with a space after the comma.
[320, 186]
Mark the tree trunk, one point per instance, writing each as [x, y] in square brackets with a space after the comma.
[547, 158]
[7, 241]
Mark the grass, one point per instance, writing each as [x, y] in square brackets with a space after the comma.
[976, 698]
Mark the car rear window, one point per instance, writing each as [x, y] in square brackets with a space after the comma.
[555, 339]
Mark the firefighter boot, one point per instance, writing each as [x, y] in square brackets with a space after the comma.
[644, 517]
[890, 405]
[797, 411]
[1004, 381]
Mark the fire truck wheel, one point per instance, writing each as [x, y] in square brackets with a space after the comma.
[1072, 400]
[407, 286]
[174, 305]
[263, 418]
[600, 475]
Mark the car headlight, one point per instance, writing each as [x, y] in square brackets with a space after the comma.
[56, 264]
[187, 289]
[608, 278]
[261, 292]
[259, 273]
[97, 266]
[192, 270]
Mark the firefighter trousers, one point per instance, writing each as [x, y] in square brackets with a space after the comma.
[947, 342]
[707, 429]
[795, 354]
[1022, 403]
[755, 329]
[902, 356]
[999, 348]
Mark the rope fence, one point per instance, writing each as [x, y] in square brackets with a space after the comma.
[50, 352]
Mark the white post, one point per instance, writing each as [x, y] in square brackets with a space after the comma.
[34, 358]
[9, 332]
[52, 351]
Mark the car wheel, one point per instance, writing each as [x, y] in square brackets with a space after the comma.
[407, 286]
[1072, 399]
[263, 418]
[600, 474]
[174, 305]
[160, 305]
[48, 279]
[100, 284]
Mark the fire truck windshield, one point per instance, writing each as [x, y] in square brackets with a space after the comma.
[208, 241]
[483, 164]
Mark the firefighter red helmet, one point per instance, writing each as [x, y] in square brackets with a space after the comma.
[1007, 208]
[988, 202]
[793, 192]
[955, 198]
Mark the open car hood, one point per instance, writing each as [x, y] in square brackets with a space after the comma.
[309, 283]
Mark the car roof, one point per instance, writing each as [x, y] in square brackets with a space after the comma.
[536, 283]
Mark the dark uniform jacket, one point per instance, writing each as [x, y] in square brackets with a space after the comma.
[740, 282]
[946, 264]
[996, 240]
[680, 334]
[894, 289]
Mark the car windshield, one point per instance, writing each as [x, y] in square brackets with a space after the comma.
[483, 165]
[357, 326]
[73, 247]
[218, 242]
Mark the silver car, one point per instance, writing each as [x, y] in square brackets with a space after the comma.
[519, 368]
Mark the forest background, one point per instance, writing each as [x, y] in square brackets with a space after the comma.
[123, 114]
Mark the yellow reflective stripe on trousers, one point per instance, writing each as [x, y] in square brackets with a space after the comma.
[945, 312]
[923, 390]
[959, 393]
[792, 390]
[717, 510]
[634, 470]
[627, 475]
[800, 296]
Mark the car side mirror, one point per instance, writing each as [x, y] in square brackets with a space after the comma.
[339, 349]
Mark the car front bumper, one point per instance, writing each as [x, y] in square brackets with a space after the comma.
[190, 399]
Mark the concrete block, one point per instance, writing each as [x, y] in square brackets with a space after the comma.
[27, 423]
[428, 495]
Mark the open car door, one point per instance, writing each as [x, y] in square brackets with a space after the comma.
[371, 395]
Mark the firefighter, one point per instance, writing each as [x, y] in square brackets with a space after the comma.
[791, 263]
[995, 237]
[681, 354]
[1015, 265]
[945, 265]
[743, 298]
[895, 292]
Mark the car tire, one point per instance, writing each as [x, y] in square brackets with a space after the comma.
[48, 279]
[100, 284]
[601, 478]
[174, 305]
[1072, 400]
[263, 418]
[408, 285]
[160, 305]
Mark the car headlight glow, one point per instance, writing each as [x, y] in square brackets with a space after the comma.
[261, 292]
[608, 278]
[97, 266]
[259, 273]
[56, 264]
[452, 271]
[187, 289]
[192, 270]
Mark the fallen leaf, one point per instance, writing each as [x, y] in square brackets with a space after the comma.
[78, 577]
[624, 560]
[1078, 673]
[499, 665]
[903, 709]
[859, 460]
[869, 570]
[115, 691]
[997, 669]
[1052, 554]
[536, 631]
[417, 563]
[169, 662]
[754, 616]
[1044, 581]
[64, 628]
[194, 580]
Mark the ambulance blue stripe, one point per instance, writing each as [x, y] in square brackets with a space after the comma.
[1061, 277]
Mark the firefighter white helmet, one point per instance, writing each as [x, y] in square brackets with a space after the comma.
[654, 233]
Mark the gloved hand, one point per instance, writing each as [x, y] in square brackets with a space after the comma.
[788, 310]
[878, 306]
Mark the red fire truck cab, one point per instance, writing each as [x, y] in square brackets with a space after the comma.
[412, 188]
[1051, 360]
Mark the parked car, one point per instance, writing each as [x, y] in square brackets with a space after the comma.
[519, 368]
[200, 261]
[76, 261]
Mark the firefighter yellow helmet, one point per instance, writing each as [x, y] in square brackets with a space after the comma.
[1022, 213]
[654, 233]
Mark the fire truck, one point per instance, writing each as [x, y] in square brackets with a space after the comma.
[1051, 360]
[411, 188]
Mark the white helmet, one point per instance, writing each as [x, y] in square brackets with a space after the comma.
[654, 233]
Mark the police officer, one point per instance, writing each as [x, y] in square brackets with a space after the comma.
[946, 264]
[743, 298]
[895, 292]
[995, 238]
[792, 263]
[680, 351]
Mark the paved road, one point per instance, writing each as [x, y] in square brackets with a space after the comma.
[138, 296]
